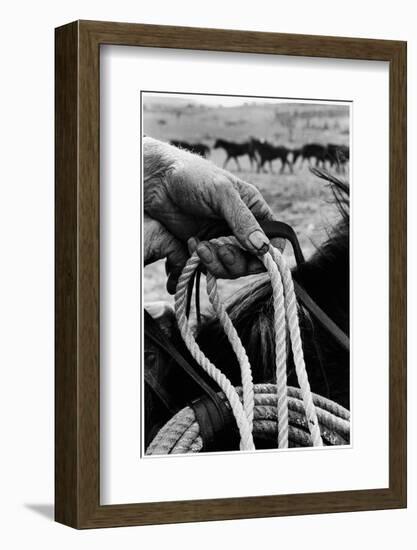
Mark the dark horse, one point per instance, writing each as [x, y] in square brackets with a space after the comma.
[325, 276]
[197, 148]
[313, 151]
[267, 152]
[235, 150]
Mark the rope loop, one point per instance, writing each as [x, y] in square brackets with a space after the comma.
[285, 320]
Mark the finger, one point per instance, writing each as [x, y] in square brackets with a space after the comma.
[228, 261]
[254, 200]
[172, 281]
[233, 259]
[192, 244]
[174, 273]
[176, 257]
[242, 221]
[238, 262]
[208, 256]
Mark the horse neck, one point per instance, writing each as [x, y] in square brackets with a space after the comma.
[326, 279]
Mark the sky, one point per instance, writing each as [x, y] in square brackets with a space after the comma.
[209, 100]
[218, 100]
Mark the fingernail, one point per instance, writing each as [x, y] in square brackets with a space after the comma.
[192, 244]
[205, 253]
[227, 255]
[259, 240]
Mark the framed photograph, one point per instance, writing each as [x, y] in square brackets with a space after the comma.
[230, 274]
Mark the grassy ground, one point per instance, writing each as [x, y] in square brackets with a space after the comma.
[300, 199]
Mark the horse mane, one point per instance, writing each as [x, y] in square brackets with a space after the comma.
[325, 276]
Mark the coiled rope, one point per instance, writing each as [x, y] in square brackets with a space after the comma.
[181, 434]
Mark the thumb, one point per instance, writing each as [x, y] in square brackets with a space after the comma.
[243, 223]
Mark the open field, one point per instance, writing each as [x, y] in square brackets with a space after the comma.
[300, 199]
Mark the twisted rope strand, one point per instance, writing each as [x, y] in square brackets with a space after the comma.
[297, 348]
[246, 442]
[280, 349]
[233, 337]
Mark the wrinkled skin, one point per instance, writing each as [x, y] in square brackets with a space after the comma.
[185, 194]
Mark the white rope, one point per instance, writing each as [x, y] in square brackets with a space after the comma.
[280, 349]
[244, 426]
[285, 313]
[230, 331]
[297, 347]
[235, 342]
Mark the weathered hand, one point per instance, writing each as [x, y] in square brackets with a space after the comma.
[159, 243]
[188, 194]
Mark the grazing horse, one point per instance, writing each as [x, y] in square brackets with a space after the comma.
[325, 276]
[235, 150]
[314, 151]
[197, 148]
[337, 155]
[267, 152]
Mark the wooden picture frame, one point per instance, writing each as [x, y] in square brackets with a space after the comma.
[77, 381]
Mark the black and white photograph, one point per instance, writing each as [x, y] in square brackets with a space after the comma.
[246, 273]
